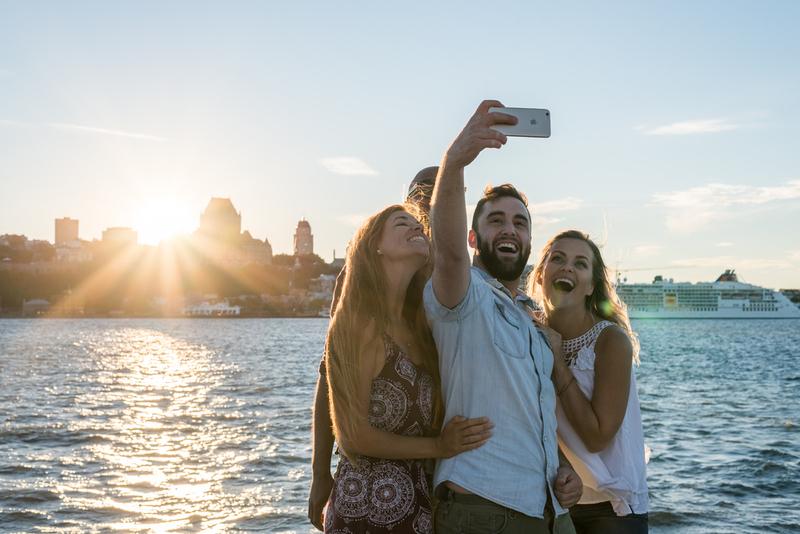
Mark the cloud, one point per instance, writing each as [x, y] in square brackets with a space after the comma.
[105, 131]
[724, 244]
[728, 195]
[545, 213]
[556, 206]
[84, 129]
[6, 122]
[348, 166]
[540, 220]
[794, 255]
[691, 127]
[352, 219]
[690, 209]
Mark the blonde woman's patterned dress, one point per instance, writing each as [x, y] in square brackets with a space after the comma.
[381, 495]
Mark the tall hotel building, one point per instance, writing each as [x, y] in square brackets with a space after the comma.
[220, 221]
[66, 230]
[303, 239]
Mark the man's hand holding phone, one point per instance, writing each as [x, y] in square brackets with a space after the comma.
[478, 134]
[531, 122]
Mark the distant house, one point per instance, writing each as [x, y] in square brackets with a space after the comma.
[75, 251]
[35, 307]
[322, 286]
[209, 309]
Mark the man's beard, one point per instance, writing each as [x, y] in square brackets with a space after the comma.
[498, 268]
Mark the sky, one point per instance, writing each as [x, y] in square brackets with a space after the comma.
[675, 125]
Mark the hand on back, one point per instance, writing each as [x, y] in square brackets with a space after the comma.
[461, 434]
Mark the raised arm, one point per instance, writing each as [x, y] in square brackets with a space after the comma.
[448, 206]
[598, 419]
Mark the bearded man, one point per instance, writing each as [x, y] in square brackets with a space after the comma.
[494, 361]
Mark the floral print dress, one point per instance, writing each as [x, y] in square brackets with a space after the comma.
[380, 495]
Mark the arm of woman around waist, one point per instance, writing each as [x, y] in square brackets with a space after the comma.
[598, 419]
[322, 439]
[363, 439]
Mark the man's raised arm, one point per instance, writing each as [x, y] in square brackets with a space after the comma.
[448, 207]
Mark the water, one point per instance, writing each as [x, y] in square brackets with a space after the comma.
[203, 425]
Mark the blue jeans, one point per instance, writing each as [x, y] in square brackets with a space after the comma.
[600, 518]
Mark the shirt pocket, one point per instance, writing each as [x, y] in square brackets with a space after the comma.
[508, 333]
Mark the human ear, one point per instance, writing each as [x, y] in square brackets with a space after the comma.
[472, 240]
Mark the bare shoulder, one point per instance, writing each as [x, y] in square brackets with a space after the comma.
[613, 343]
[373, 351]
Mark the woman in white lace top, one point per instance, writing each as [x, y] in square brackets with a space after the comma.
[599, 422]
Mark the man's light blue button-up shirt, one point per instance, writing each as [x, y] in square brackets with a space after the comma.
[494, 362]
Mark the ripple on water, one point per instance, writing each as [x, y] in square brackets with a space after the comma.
[177, 425]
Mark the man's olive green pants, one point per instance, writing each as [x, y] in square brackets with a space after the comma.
[470, 514]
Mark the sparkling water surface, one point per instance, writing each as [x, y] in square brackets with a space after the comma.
[203, 425]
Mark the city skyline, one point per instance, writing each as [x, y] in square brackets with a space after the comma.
[66, 230]
[673, 125]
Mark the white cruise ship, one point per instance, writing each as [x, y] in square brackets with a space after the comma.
[727, 298]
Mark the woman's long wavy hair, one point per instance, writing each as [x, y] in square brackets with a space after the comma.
[362, 318]
[603, 302]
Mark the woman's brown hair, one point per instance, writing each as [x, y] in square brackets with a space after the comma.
[603, 302]
[361, 320]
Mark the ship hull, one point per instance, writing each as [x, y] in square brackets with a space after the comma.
[727, 298]
[683, 314]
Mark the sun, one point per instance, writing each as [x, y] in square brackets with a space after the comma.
[162, 218]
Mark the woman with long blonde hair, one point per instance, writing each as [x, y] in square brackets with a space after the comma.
[599, 420]
[383, 372]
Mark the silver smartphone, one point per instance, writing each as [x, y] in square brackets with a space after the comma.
[531, 122]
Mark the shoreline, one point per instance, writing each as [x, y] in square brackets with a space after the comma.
[191, 317]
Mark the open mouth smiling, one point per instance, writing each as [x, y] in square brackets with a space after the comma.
[563, 284]
[507, 247]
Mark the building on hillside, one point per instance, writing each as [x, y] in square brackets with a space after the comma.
[35, 307]
[14, 241]
[212, 309]
[303, 239]
[76, 251]
[220, 221]
[337, 263]
[220, 236]
[322, 287]
[253, 250]
[66, 231]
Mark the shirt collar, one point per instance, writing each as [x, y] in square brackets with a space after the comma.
[521, 297]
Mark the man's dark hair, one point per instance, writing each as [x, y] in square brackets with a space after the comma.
[493, 193]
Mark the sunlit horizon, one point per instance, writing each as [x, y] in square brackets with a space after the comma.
[162, 219]
[688, 169]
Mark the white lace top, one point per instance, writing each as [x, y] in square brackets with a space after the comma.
[617, 473]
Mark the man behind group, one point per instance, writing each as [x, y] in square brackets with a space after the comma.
[493, 359]
[419, 193]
